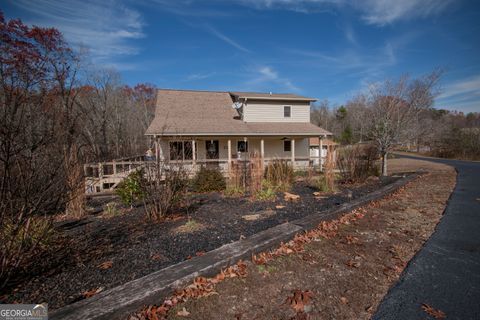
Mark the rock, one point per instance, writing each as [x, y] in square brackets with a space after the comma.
[251, 217]
[290, 196]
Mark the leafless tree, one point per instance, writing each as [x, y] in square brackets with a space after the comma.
[395, 105]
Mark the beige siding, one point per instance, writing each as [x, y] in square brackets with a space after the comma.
[273, 112]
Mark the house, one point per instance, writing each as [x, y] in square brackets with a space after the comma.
[210, 127]
[319, 149]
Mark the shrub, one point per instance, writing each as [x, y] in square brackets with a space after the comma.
[320, 182]
[268, 191]
[234, 191]
[280, 174]
[164, 189]
[111, 209]
[130, 189]
[357, 163]
[209, 179]
[20, 242]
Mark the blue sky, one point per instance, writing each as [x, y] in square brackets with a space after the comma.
[328, 49]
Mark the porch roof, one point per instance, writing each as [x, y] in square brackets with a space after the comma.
[208, 113]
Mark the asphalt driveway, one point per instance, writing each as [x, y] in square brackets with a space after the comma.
[445, 273]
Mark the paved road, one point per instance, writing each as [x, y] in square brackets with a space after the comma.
[446, 272]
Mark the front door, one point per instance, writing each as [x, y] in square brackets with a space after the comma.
[212, 149]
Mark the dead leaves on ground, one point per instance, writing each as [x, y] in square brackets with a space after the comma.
[437, 314]
[201, 287]
[326, 230]
[90, 293]
[105, 265]
[299, 300]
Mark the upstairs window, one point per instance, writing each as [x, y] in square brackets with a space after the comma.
[287, 111]
[287, 145]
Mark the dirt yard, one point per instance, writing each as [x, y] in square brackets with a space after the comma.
[343, 277]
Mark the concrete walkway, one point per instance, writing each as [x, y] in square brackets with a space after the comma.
[445, 274]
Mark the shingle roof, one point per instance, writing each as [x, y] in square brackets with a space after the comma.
[183, 112]
[271, 96]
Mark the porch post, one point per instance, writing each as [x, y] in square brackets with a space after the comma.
[320, 146]
[229, 143]
[262, 153]
[293, 153]
[194, 156]
[157, 149]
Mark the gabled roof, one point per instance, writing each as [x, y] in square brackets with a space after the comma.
[187, 113]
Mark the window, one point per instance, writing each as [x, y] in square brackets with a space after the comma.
[287, 111]
[242, 146]
[181, 150]
[287, 145]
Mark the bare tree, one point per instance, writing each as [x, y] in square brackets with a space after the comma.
[395, 105]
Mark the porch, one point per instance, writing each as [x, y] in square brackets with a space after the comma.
[224, 153]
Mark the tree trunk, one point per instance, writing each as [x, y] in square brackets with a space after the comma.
[384, 163]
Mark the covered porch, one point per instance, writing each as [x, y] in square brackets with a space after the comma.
[222, 151]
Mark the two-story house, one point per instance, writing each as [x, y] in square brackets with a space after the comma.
[198, 127]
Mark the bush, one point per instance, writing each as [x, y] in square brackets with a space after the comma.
[130, 189]
[279, 173]
[268, 191]
[320, 183]
[209, 179]
[20, 242]
[357, 163]
[164, 189]
[234, 191]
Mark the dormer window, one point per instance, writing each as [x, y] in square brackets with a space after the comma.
[287, 111]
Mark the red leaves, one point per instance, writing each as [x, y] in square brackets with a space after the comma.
[299, 300]
[437, 314]
[201, 287]
[90, 293]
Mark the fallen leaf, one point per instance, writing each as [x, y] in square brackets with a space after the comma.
[437, 314]
[299, 300]
[91, 293]
[352, 264]
[105, 265]
[156, 257]
[279, 207]
[183, 313]
[344, 300]
[200, 253]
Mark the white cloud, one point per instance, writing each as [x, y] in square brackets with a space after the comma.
[463, 94]
[266, 77]
[469, 86]
[375, 12]
[106, 28]
[200, 76]
[225, 39]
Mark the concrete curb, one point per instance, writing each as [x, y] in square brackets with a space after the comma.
[115, 303]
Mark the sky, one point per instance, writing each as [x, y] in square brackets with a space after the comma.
[326, 49]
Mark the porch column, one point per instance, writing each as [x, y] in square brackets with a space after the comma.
[262, 153]
[320, 146]
[229, 144]
[194, 153]
[293, 153]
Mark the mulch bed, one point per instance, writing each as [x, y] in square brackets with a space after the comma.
[136, 247]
